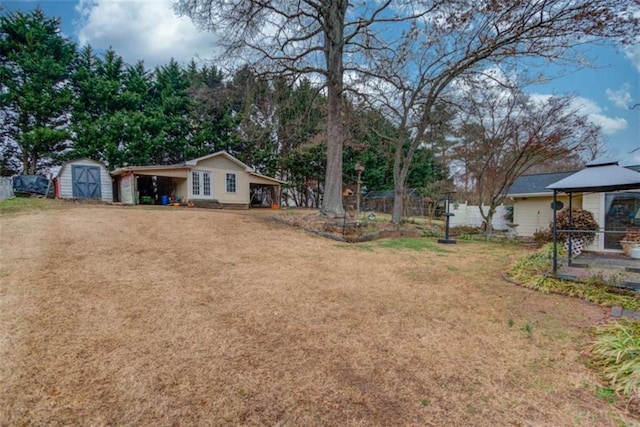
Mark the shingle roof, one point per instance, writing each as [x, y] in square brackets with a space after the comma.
[536, 184]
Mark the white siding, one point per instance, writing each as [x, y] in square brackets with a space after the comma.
[594, 202]
[127, 189]
[219, 166]
[65, 180]
[534, 213]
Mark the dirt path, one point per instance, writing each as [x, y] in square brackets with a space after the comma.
[192, 317]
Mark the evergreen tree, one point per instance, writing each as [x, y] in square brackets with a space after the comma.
[98, 88]
[35, 97]
[168, 116]
[213, 123]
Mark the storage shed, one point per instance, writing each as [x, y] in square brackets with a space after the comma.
[84, 179]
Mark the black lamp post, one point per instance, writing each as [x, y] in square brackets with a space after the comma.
[447, 215]
[359, 169]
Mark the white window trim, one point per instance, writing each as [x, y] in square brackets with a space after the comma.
[201, 173]
[226, 182]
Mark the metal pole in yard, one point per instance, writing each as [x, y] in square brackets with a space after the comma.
[555, 231]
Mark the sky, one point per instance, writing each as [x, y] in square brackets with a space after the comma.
[149, 30]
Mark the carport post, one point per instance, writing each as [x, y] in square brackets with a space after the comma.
[570, 228]
[555, 232]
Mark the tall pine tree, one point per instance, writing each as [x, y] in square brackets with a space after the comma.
[35, 95]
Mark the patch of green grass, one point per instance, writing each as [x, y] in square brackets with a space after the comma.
[529, 330]
[616, 355]
[452, 268]
[510, 323]
[607, 394]
[412, 244]
[22, 204]
[469, 237]
[433, 233]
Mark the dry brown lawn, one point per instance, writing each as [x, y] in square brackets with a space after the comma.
[181, 317]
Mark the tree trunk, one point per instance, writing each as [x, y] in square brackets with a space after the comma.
[332, 200]
[333, 46]
[398, 203]
[399, 179]
[488, 219]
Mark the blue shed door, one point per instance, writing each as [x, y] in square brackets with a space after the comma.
[86, 182]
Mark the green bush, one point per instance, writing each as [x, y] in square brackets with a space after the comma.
[616, 354]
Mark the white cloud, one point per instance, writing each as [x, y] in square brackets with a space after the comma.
[633, 53]
[608, 125]
[146, 30]
[593, 112]
[621, 97]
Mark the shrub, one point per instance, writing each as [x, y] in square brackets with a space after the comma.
[543, 236]
[581, 220]
[616, 352]
[459, 230]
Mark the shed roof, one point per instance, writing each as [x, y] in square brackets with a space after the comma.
[259, 178]
[125, 169]
[599, 177]
[82, 160]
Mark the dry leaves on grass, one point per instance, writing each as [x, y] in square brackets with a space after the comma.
[348, 229]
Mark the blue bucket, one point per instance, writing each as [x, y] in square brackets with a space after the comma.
[164, 200]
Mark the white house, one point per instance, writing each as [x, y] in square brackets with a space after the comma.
[613, 210]
[215, 180]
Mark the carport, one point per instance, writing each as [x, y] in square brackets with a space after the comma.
[135, 184]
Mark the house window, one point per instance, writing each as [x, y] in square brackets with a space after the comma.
[201, 183]
[206, 183]
[195, 183]
[231, 183]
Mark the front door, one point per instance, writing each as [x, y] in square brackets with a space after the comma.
[86, 182]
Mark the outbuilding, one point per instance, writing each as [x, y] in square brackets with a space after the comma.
[217, 180]
[84, 179]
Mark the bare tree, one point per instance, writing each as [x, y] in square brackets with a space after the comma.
[409, 75]
[505, 133]
[325, 38]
